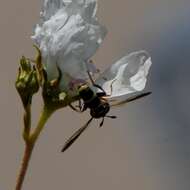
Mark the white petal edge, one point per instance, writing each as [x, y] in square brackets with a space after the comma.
[127, 75]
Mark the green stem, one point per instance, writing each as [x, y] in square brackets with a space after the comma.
[46, 113]
[24, 166]
[27, 122]
[30, 142]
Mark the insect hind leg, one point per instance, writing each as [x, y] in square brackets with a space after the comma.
[75, 109]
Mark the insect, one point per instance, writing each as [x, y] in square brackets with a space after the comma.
[99, 104]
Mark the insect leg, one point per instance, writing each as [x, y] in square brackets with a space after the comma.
[75, 109]
[82, 107]
[80, 104]
[94, 84]
[103, 94]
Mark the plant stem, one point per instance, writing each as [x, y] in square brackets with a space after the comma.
[24, 166]
[30, 142]
[46, 113]
[27, 122]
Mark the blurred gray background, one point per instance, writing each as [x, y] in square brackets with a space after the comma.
[147, 147]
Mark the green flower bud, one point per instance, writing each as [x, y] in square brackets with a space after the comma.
[26, 83]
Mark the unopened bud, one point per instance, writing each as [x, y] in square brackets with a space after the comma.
[26, 82]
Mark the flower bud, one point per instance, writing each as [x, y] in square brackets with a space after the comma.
[26, 82]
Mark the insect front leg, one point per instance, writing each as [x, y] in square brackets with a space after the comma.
[94, 84]
[82, 107]
[74, 108]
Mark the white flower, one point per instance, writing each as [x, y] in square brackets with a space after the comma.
[69, 35]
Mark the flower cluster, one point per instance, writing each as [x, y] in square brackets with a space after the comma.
[66, 38]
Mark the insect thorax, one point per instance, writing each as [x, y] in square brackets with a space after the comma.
[98, 107]
[86, 93]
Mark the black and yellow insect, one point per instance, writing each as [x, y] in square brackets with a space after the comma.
[99, 105]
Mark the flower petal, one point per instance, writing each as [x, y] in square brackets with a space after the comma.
[50, 7]
[68, 36]
[127, 75]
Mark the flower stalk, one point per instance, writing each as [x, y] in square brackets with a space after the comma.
[27, 122]
[24, 166]
[46, 113]
[29, 80]
[30, 140]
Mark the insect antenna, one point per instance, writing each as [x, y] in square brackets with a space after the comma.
[111, 88]
[75, 136]
[94, 84]
[108, 116]
[111, 116]
[102, 122]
